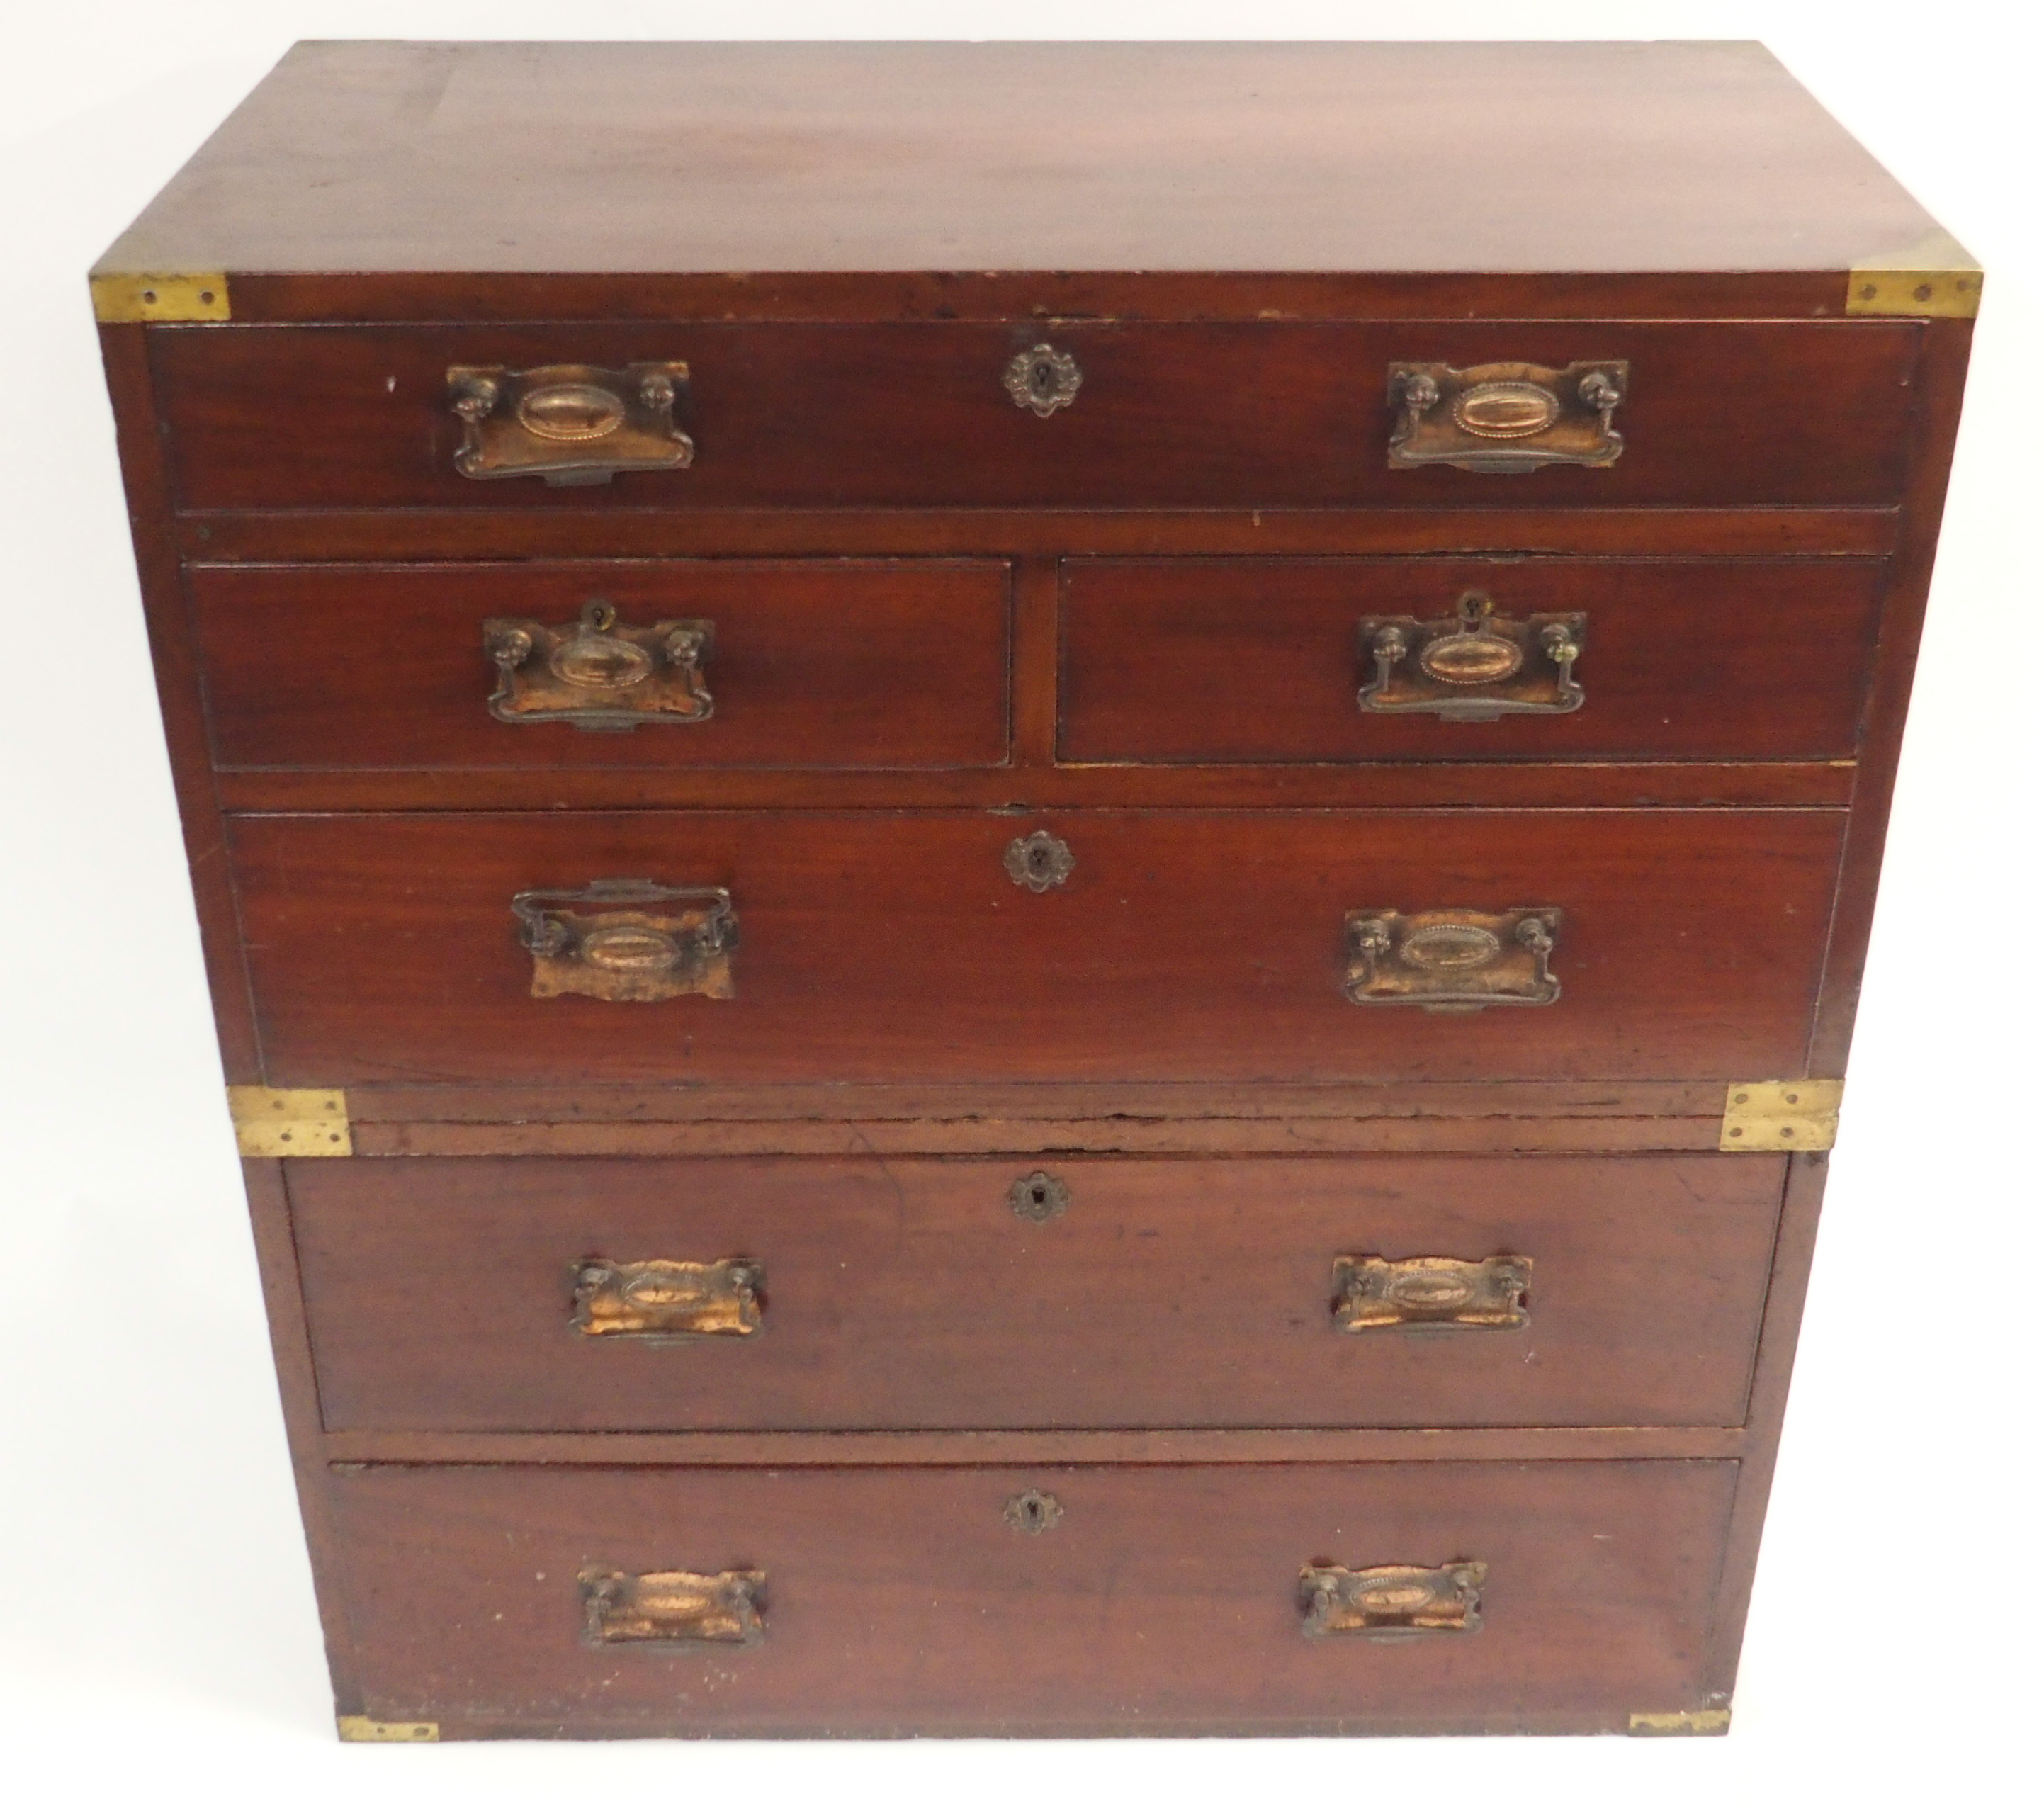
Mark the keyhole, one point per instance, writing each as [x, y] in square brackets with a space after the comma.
[1033, 1512]
[1042, 379]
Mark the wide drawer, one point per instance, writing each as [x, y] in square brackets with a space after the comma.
[1001, 1599]
[487, 1295]
[1253, 660]
[1267, 414]
[837, 664]
[1179, 945]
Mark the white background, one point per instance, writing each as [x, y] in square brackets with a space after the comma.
[156, 1627]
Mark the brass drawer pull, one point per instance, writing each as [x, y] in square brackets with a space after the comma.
[1430, 1293]
[1452, 961]
[660, 1300]
[627, 953]
[570, 424]
[1474, 665]
[597, 674]
[1392, 1604]
[1502, 417]
[1042, 379]
[673, 1608]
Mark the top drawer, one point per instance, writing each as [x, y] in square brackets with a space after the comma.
[1262, 415]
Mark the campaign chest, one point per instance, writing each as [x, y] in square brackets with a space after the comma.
[1034, 874]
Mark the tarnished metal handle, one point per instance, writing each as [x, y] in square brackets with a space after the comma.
[668, 1299]
[1451, 961]
[598, 673]
[1430, 1293]
[673, 1606]
[1503, 417]
[1474, 665]
[1392, 1604]
[570, 424]
[628, 940]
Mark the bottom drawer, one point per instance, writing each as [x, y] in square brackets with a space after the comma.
[1002, 1601]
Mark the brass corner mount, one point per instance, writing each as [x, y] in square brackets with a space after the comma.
[155, 299]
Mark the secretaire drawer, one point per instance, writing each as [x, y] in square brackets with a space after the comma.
[819, 664]
[1437, 1596]
[1238, 415]
[1251, 660]
[537, 1294]
[766, 947]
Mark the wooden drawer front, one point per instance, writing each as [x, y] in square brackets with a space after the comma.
[1254, 660]
[1179, 416]
[1184, 944]
[819, 665]
[912, 1295]
[903, 1600]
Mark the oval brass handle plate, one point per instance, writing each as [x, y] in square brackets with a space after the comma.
[1503, 417]
[1039, 862]
[1391, 1604]
[668, 1299]
[598, 674]
[1430, 1293]
[570, 424]
[673, 1607]
[1452, 961]
[628, 940]
[1474, 665]
[1042, 379]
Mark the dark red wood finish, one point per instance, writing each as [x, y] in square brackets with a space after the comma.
[1186, 945]
[909, 1294]
[1227, 661]
[1169, 416]
[824, 665]
[1163, 1599]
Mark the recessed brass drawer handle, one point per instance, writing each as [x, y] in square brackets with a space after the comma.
[597, 674]
[1503, 417]
[570, 424]
[628, 940]
[1430, 1293]
[658, 1300]
[1474, 665]
[673, 1608]
[1451, 961]
[1392, 1604]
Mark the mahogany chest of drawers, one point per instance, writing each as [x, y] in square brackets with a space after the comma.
[1034, 874]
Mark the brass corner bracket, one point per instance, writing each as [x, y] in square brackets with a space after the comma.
[1680, 1723]
[353, 1729]
[1780, 1115]
[298, 1125]
[1934, 279]
[124, 300]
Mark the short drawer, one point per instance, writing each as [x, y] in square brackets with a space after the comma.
[1264, 414]
[549, 1602]
[1082, 945]
[803, 1294]
[702, 663]
[1274, 660]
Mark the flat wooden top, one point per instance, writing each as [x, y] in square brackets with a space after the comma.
[361, 157]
